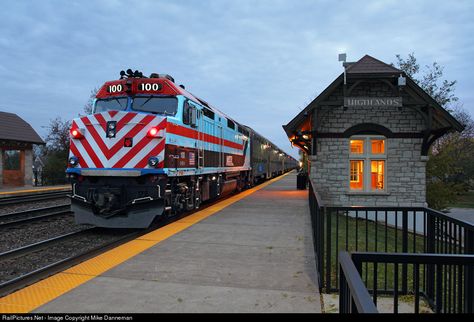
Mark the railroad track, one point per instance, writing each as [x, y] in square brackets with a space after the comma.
[44, 260]
[31, 215]
[33, 197]
[11, 261]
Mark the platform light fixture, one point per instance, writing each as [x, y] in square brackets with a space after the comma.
[343, 57]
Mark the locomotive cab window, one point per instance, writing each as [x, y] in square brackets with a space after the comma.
[111, 104]
[156, 105]
[367, 164]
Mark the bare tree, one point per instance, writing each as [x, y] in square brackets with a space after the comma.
[58, 136]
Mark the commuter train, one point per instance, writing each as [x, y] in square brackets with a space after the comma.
[150, 148]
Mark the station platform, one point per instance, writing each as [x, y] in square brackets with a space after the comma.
[7, 191]
[251, 252]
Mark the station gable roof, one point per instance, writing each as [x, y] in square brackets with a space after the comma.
[369, 64]
[370, 67]
[14, 128]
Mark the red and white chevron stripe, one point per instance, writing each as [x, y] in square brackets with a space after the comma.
[95, 150]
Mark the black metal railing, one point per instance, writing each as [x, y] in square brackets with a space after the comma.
[317, 222]
[452, 288]
[412, 230]
[41, 178]
[353, 296]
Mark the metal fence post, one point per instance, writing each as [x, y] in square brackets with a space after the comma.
[430, 248]
[405, 250]
[320, 240]
[327, 255]
[469, 274]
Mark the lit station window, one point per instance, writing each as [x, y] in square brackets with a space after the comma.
[367, 164]
[357, 174]
[377, 172]
[378, 146]
[357, 146]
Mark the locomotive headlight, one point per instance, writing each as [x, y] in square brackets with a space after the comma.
[111, 129]
[73, 161]
[155, 133]
[77, 133]
[153, 162]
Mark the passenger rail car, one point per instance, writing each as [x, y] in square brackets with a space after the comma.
[152, 148]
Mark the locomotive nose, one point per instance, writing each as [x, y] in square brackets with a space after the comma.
[119, 139]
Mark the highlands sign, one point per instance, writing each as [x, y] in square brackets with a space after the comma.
[372, 101]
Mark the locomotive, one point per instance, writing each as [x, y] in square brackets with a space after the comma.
[150, 148]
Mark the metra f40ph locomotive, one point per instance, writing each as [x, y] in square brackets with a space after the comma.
[150, 148]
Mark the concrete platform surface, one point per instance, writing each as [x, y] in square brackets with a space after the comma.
[256, 255]
[466, 214]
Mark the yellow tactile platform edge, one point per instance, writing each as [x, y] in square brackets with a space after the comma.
[38, 190]
[42, 292]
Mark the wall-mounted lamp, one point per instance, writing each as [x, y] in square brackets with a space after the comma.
[402, 81]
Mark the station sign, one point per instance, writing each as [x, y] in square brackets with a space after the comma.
[372, 101]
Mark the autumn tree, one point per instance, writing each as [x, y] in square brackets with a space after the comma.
[450, 169]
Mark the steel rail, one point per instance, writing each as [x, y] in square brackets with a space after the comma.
[28, 212]
[20, 251]
[33, 218]
[33, 197]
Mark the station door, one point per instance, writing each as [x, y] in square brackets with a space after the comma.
[13, 167]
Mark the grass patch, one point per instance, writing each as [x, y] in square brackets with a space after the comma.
[359, 234]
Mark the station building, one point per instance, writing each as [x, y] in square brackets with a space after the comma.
[367, 137]
[16, 150]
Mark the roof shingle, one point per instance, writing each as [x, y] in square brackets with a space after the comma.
[370, 65]
[13, 127]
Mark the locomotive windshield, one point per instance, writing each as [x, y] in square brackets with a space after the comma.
[158, 105]
[115, 104]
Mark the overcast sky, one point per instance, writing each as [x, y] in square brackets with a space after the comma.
[258, 61]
